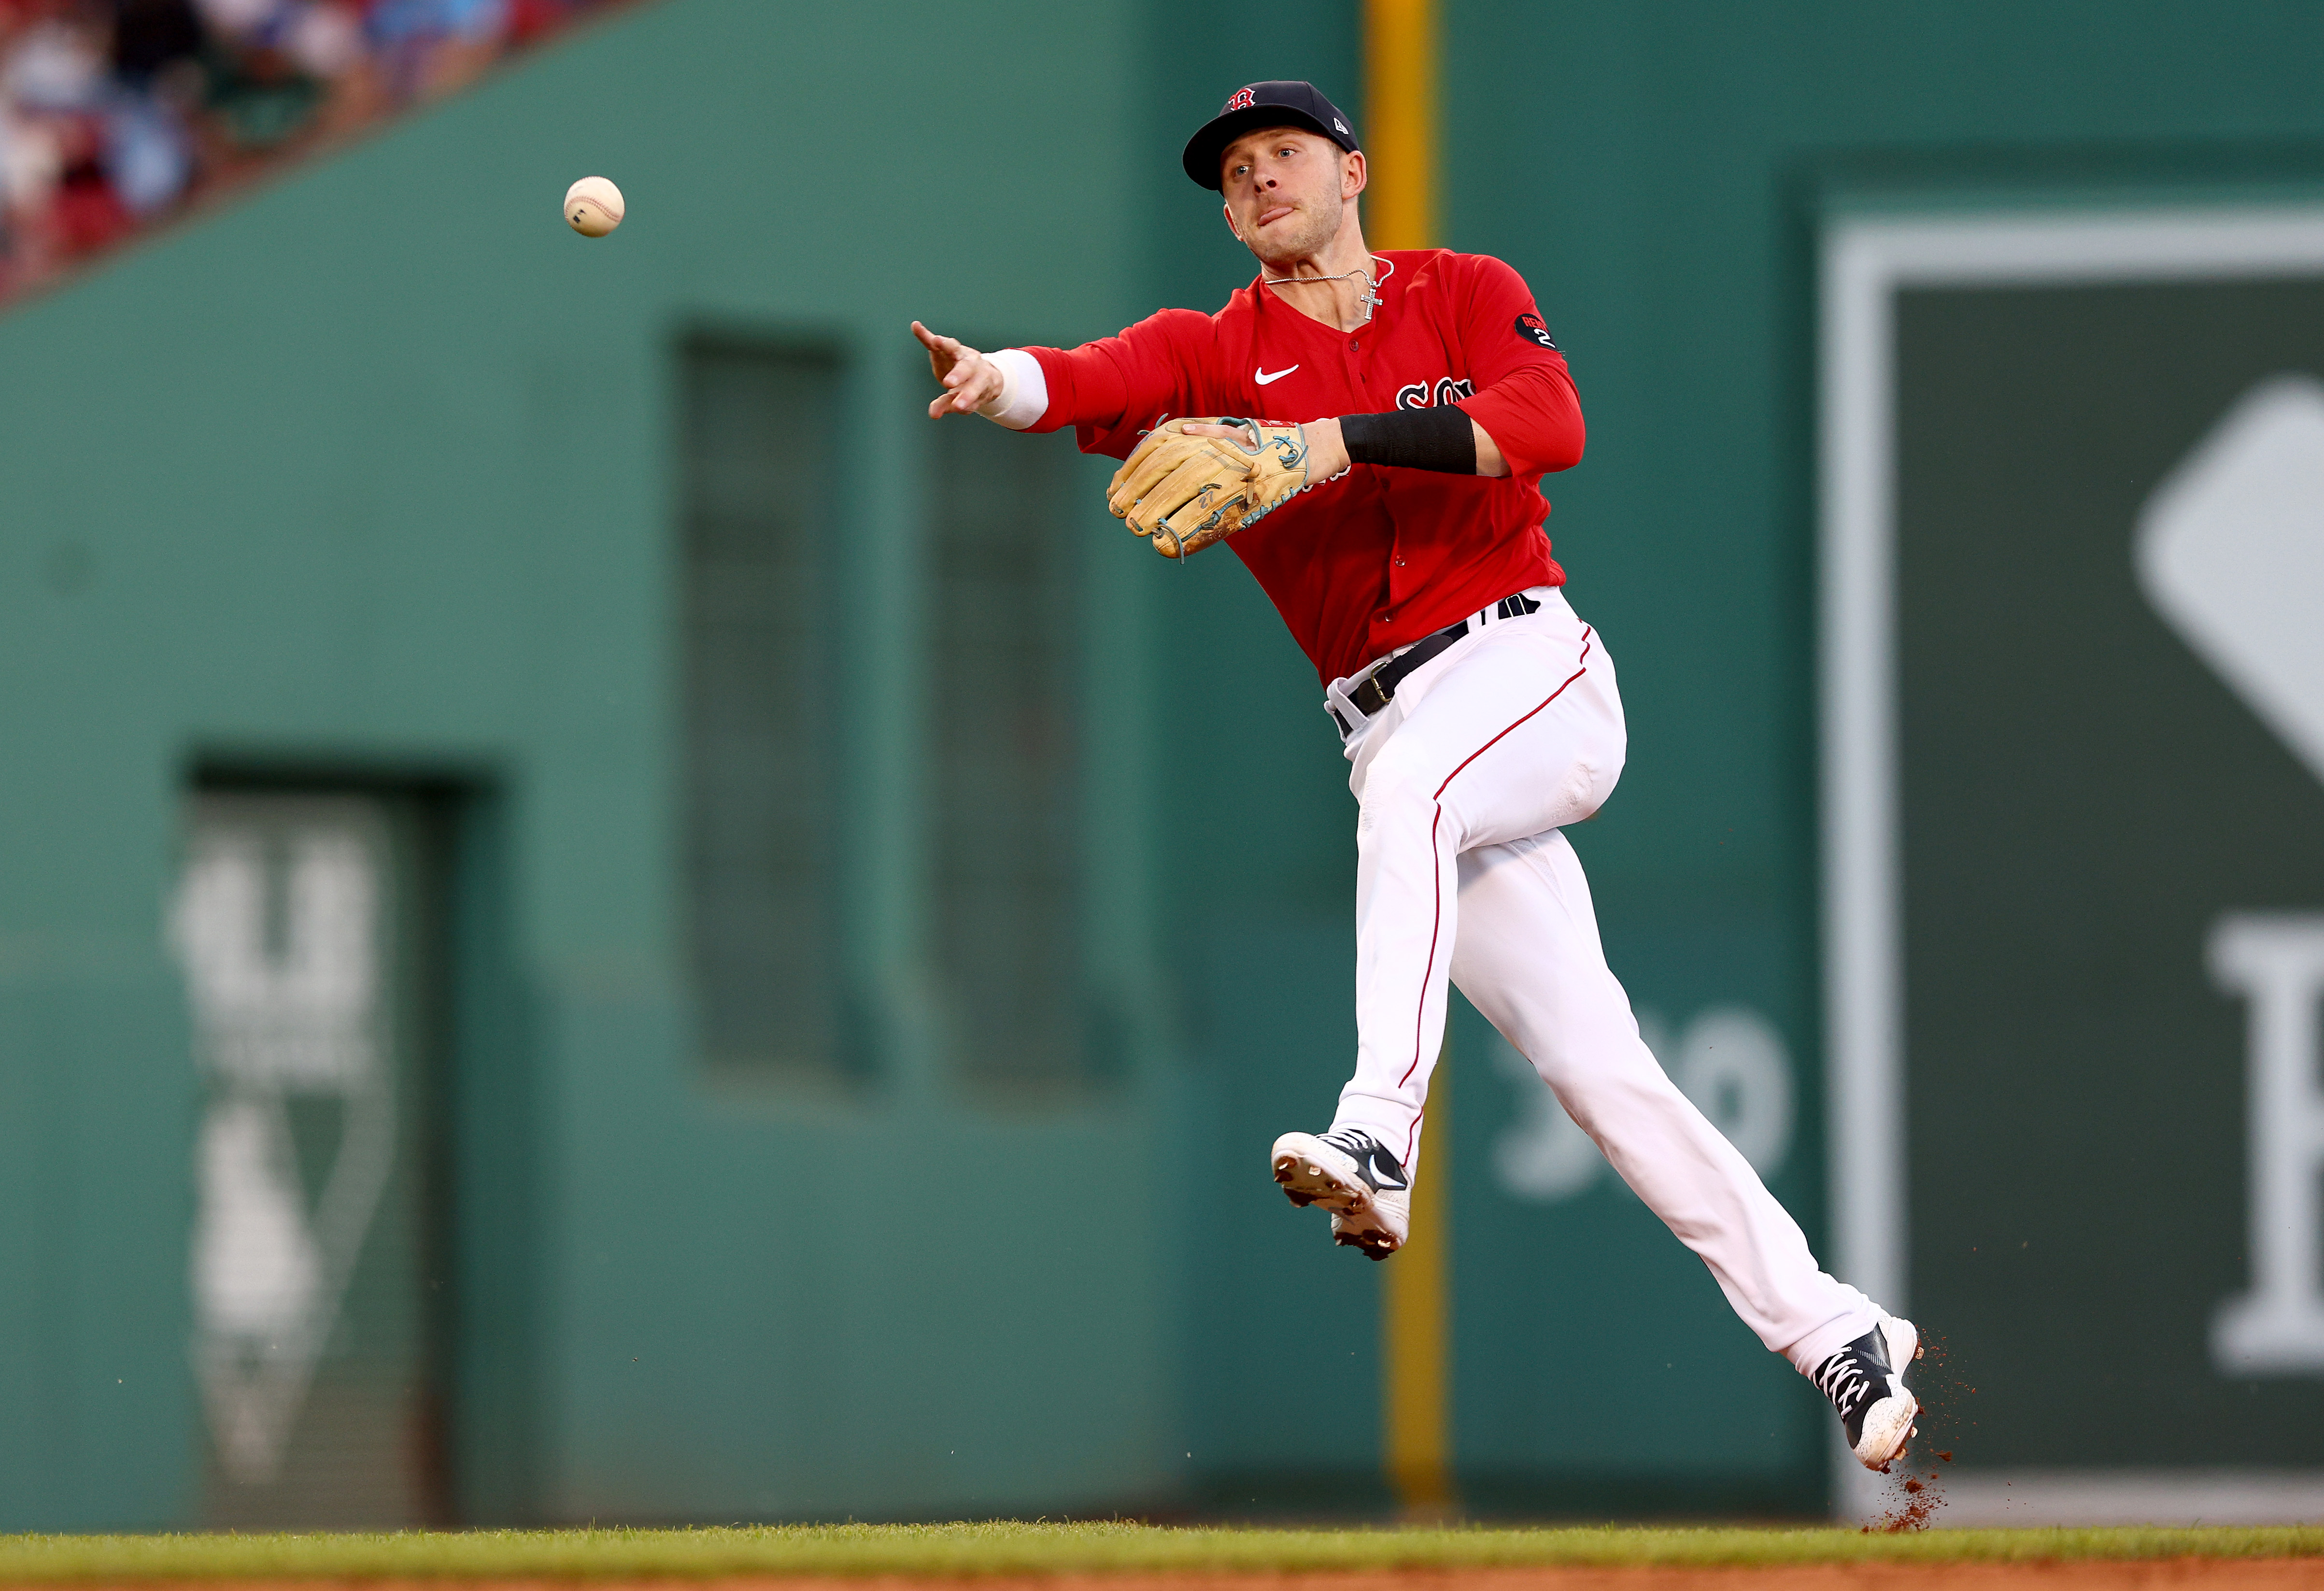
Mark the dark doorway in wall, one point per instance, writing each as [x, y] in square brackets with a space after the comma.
[312, 926]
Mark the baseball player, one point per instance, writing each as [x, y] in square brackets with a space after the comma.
[1394, 513]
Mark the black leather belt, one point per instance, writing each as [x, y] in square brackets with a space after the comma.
[1379, 688]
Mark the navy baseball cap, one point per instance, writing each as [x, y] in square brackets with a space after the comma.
[1282, 103]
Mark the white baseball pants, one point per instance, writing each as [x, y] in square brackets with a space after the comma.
[1464, 782]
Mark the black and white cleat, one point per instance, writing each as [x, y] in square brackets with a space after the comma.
[1866, 1383]
[1350, 1174]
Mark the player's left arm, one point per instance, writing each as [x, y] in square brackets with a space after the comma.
[1444, 439]
[1524, 402]
[1489, 461]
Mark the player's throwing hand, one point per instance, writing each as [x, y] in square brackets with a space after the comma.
[970, 380]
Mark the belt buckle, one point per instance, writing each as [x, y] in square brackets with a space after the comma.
[1353, 698]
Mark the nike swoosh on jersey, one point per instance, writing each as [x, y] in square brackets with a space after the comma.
[1264, 376]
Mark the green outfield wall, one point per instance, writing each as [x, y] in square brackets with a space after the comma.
[370, 480]
[1665, 175]
[376, 483]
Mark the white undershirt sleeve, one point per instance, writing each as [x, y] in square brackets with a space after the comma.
[1024, 391]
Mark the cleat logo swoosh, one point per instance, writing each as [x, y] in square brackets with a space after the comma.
[1381, 1171]
[1264, 376]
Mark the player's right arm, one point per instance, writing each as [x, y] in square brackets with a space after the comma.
[1110, 391]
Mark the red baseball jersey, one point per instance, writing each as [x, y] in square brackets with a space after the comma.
[1379, 557]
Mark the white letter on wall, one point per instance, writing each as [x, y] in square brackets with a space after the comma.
[2277, 964]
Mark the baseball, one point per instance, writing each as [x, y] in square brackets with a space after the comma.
[593, 206]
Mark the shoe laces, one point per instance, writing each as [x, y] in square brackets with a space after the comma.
[1844, 1378]
[1354, 1141]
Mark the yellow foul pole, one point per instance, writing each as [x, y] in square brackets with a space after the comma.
[1400, 122]
[1416, 1330]
[1400, 211]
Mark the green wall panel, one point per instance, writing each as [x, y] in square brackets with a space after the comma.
[397, 497]
[1655, 171]
[2078, 1083]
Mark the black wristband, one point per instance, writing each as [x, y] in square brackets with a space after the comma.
[1412, 438]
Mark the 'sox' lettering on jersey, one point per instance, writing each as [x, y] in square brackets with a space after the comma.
[1241, 99]
[1418, 395]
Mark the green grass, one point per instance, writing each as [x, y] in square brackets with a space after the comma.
[1003, 1547]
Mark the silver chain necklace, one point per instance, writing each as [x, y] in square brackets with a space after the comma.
[1366, 301]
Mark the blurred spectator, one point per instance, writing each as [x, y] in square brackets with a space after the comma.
[432, 46]
[113, 113]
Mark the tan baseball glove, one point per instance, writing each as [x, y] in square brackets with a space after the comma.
[1188, 492]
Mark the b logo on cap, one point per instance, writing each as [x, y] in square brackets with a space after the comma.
[1243, 100]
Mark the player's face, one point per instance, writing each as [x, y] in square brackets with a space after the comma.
[1285, 191]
